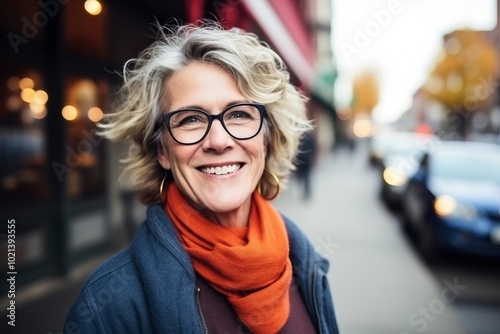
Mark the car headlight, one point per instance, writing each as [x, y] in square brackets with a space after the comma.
[448, 207]
[393, 177]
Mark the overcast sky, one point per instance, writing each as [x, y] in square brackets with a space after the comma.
[400, 40]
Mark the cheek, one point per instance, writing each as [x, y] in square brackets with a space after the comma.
[266, 138]
[181, 155]
[264, 153]
[163, 156]
[262, 150]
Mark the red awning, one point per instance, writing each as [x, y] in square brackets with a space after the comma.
[194, 10]
[282, 38]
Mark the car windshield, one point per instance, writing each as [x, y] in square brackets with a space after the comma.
[468, 166]
[401, 143]
[406, 148]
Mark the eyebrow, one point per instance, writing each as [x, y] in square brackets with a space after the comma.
[194, 106]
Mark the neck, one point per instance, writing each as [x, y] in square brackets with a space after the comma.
[233, 218]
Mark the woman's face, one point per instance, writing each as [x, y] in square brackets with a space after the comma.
[194, 167]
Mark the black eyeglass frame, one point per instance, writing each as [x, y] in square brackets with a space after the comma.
[262, 111]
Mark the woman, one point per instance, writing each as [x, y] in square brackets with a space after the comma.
[215, 126]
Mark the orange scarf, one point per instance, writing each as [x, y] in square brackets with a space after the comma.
[254, 273]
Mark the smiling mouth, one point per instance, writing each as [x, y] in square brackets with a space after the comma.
[221, 170]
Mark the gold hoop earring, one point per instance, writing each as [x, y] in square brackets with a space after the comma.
[161, 186]
[276, 180]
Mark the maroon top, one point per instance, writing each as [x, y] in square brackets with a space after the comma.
[220, 316]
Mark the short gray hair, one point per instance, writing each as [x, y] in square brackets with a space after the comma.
[261, 76]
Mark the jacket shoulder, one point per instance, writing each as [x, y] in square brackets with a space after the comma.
[299, 243]
[109, 299]
[116, 261]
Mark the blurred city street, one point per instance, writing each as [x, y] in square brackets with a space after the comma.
[379, 282]
[371, 70]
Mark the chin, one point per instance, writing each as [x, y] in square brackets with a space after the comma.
[226, 203]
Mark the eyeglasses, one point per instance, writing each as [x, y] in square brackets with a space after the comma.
[190, 126]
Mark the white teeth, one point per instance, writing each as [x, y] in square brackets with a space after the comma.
[221, 170]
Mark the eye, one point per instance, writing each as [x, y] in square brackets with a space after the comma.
[235, 114]
[242, 113]
[187, 118]
[190, 119]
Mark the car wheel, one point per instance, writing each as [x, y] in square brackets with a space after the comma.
[386, 199]
[383, 195]
[427, 245]
[405, 219]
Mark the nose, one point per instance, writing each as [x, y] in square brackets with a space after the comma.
[217, 138]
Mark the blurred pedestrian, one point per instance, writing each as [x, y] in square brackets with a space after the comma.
[305, 162]
[215, 125]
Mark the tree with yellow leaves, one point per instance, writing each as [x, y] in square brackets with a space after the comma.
[365, 93]
[464, 78]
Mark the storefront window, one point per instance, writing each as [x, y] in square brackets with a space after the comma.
[84, 149]
[23, 177]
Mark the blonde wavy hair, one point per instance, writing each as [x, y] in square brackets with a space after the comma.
[261, 76]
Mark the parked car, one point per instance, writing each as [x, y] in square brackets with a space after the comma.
[399, 162]
[452, 202]
[381, 143]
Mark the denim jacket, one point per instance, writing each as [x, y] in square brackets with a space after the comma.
[150, 286]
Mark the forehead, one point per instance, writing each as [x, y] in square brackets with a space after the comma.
[201, 84]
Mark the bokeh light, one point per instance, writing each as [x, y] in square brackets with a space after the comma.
[95, 114]
[13, 83]
[38, 111]
[14, 103]
[41, 97]
[93, 7]
[69, 113]
[27, 95]
[445, 205]
[362, 128]
[26, 83]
